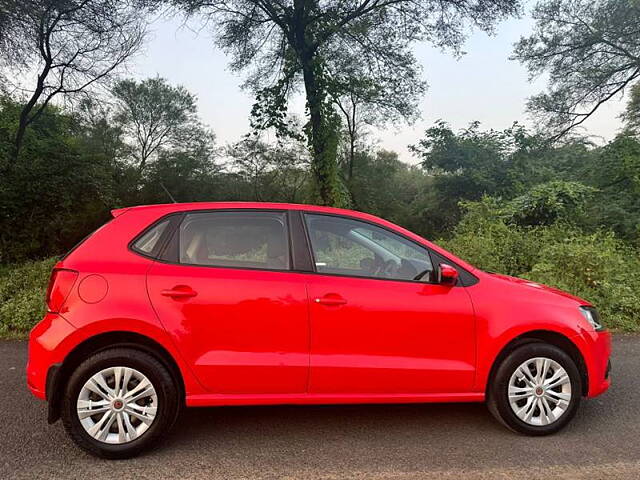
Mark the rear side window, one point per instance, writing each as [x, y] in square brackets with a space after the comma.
[235, 239]
[148, 241]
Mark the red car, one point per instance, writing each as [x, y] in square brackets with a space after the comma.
[256, 303]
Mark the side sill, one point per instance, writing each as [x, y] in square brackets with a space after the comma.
[217, 399]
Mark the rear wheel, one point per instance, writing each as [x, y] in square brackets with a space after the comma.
[119, 402]
[536, 390]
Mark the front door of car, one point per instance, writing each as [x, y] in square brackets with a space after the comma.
[374, 329]
[227, 296]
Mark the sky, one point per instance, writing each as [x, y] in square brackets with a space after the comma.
[482, 85]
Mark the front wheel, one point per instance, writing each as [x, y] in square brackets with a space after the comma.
[536, 389]
[119, 402]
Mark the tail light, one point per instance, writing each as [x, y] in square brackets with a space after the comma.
[60, 285]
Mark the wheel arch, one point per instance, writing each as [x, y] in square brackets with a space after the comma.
[98, 343]
[547, 336]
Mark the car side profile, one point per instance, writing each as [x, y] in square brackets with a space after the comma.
[210, 304]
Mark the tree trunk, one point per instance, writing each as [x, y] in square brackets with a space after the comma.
[322, 129]
[352, 153]
[19, 138]
[322, 133]
[24, 120]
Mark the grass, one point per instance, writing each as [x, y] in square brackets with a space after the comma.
[22, 292]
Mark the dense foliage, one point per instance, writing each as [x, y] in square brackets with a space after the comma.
[595, 266]
[508, 201]
[22, 290]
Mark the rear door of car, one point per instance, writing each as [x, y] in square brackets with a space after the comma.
[225, 289]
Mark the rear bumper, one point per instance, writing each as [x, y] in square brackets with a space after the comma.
[596, 350]
[44, 353]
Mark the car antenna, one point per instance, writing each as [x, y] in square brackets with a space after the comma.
[167, 192]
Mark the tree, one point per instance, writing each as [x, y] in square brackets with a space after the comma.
[385, 186]
[351, 107]
[366, 101]
[62, 191]
[614, 170]
[549, 202]
[631, 114]
[272, 172]
[285, 44]
[70, 44]
[591, 51]
[473, 162]
[156, 116]
[187, 175]
[464, 166]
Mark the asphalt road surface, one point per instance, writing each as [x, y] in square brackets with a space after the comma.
[396, 442]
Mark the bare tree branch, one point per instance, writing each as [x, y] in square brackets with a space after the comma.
[72, 45]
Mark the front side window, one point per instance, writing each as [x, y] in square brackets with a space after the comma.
[235, 239]
[345, 246]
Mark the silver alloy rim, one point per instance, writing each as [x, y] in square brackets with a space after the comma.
[540, 391]
[117, 405]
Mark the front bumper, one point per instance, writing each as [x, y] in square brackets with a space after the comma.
[596, 351]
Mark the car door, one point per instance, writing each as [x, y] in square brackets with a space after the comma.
[374, 329]
[225, 291]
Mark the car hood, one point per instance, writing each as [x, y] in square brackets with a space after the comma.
[537, 286]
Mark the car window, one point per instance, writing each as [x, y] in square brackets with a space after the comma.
[235, 239]
[350, 247]
[149, 240]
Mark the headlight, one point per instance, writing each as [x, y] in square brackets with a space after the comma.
[591, 315]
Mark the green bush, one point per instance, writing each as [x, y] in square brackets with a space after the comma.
[485, 240]
[597, 266]
[549, 202]
[22, 291]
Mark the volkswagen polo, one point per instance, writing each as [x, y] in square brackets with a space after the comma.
[209, 304]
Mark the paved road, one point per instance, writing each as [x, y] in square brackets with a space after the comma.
[397, 442]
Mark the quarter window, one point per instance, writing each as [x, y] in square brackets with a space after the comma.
[235, 239]
[148, 242]
[345, 246]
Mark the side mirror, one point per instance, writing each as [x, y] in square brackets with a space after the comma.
[447, 275]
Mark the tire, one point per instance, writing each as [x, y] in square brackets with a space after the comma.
[546, 416]
[127, 434]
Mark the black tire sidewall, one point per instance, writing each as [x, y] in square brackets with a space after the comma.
[499, 397]
[147, 365]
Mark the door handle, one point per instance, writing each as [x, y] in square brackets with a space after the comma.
[179, 291]
[331, 299]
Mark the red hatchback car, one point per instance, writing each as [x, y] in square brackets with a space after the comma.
[254, 303]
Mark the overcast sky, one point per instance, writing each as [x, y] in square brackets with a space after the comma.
[483, 85]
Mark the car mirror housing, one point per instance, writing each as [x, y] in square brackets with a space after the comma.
[447, 275]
